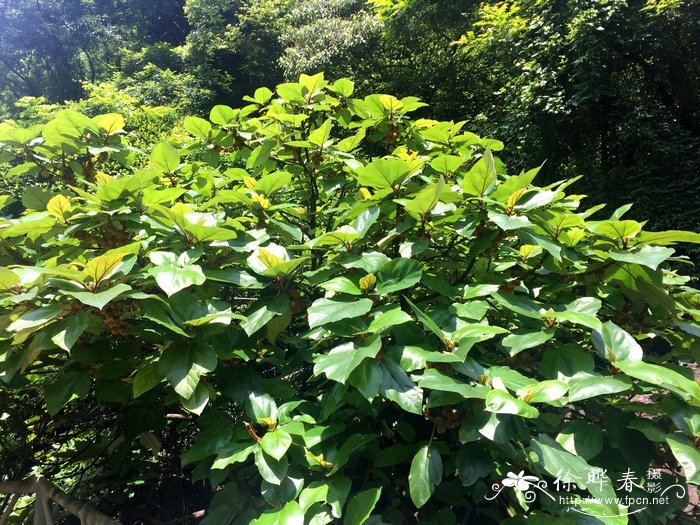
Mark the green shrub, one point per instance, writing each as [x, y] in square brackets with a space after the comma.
[326, 310]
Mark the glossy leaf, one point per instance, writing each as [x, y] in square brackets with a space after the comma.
[502, 402]
[361, 505]
[276, 443]
[398, 274]
[165, 157]
[616, 344]
[290, 514]
[481, 178]
[183, 367]
[340, 362]
[324, 311]
[67, 387]
[425, 475]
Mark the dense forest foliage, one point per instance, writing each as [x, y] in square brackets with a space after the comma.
[343, 261]
[609, 90]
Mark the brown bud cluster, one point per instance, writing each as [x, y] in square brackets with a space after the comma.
[449, 418]
[89, 170]
[113, 322]
[68, 177]
[114, 236]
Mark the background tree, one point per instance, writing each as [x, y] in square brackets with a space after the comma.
[612, 78]
[235, 44]
[47, 48]
[336, 37]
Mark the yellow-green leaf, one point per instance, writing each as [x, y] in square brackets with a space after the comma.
[58, 206]
[103, 266]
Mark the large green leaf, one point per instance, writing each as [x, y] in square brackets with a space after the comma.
[341, 284]
[340, 362]
[146, 378]
[651, 256]
[18, 136]
[514, 183]
[426, 199]
[616, 230]
[502, 402]
[234, 453]
[71, 329]
[528, 237]
[199, 127]
[220, 509]
[397, 386]
[426, 320]
[349, 447]
[261, 407]
[274, 261]
[687, 455]
[435, 380]
[519, 304]
[99, 299]
[383, 173]
[319, 136]
[481, 178]
[519, 341]
[584, 319]
[334, 492]
[222, 115]
[8, 280]
[549, 392]
[567, 360]
[616, 344]
[387, 319]
[273, 182]
[35, 318]
[591, 386]
[316, 492]
[558, 462]
[172, 278]
[183, 366]
[68, 386]
[345, 235]
[509, 222]
[272, 470]
[361, 505]
[324, 311]
[398, 274]
[32, 226]
[473, 333]
[276, 443]
[446, 163]
[199, 399]
[581, 439]
[416, 357]
[165, 157]
[664, 378]
[668, 237]
[367, 378]
[111, 123]
[425, 475]
[472, 464]
[263, 312]
[290, 514]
